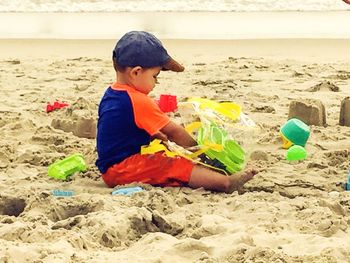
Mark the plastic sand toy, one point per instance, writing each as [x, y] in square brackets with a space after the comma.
[55, 106]
[294, 132]
[127, 190]
[167, 103]
[347, 184]
[221, 129]
[57, 192]
[62, 169]
[296, 153]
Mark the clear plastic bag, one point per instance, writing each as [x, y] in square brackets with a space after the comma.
[215, 124]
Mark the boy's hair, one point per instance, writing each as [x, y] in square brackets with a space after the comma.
[140, 48]
[117, 67]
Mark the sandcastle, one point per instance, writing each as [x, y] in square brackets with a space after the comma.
[78, 119]
[312, 112]
[344, 118]
[82, 127]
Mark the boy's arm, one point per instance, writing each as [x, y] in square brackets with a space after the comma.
[176, 133]
[159, 135]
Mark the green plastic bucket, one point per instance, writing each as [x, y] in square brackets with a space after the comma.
[296, 131]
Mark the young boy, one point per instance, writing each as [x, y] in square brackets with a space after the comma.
[129, 119]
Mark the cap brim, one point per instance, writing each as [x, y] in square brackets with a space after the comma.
[173, 65]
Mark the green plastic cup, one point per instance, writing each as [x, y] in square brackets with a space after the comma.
[62, 169]
[296, 153]
[296, 131]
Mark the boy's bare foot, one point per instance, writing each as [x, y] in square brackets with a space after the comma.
[239, 179]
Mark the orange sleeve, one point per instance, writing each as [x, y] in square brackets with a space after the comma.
[147, 114]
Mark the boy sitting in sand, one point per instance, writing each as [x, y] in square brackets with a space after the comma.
[129, 119]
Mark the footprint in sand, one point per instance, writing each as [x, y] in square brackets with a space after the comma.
[11, 206]
[166, 224]
[301, 74]
[338, 158]
[263, 108]
[6, 152]
[69, 223]
[341, 74]
[330, 227]
[13, 61]
[62, 209]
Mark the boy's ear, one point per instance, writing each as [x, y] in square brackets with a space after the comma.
[135, 71]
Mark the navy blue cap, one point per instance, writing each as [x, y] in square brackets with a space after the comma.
[140, 48]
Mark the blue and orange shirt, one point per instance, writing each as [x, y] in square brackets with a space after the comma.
[127, 120]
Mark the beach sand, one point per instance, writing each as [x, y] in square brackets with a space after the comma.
[291, 212]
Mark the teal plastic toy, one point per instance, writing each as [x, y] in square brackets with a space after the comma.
[296, 153]
[58, 192]
[296, 132]
[62, 169]
[232, 156]
[347, 184]
[127, 190]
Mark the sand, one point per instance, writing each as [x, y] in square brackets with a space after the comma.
[291, 212]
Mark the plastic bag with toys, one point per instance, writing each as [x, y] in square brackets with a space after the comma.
[224, 135]
[223, 132]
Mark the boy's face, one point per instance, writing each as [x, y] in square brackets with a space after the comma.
[145, 79]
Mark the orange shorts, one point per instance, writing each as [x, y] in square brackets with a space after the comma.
[155, 169]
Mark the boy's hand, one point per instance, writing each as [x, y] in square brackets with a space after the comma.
[161, 136]
[176, 133]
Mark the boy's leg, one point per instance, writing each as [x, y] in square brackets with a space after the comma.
[155, 169]
[211, 180]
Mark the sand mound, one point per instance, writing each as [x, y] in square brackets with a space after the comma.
[324, 86]
[79, 119]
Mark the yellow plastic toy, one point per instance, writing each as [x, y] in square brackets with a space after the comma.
[227, 109]
[286, 144]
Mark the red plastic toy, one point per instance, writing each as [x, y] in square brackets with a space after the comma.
[55, 106]
[167, 103]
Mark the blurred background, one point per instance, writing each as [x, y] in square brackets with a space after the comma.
[175, 19]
